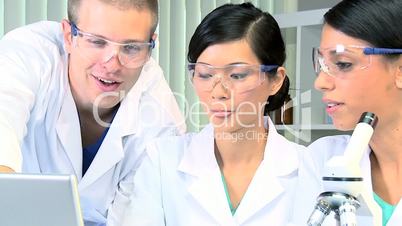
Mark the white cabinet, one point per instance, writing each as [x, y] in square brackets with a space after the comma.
[301, 31]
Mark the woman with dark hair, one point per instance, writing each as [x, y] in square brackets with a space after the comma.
[359, 68]
[238, 170]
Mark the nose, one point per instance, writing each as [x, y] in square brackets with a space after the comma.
[220, 89]
[111, 60]
[324, 82]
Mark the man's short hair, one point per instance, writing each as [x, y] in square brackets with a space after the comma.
[151, 5]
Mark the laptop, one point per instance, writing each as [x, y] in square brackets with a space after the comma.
[39, 200]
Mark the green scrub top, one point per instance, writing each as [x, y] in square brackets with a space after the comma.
[387, 209]
[232, 209]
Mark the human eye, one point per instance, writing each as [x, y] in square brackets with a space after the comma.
[344, 62]
[203, 76]
[240, 72]
[239, 75]
[132, 48]
[96, 42]
[344, 66]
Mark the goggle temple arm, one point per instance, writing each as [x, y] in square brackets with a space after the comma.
[152, 43]
[74, 29]
[268, 68]
[380, 51]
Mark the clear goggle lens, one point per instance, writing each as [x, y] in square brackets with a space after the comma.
[95, 48]
[342, 59]
[236, 77]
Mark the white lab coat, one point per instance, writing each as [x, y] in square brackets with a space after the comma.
[39, 121]
[179, 184]
[310, 184]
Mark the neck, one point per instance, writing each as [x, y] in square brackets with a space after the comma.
[240, 147]
[93, 125]
[386, 163]
[386, 144]
[97, 112]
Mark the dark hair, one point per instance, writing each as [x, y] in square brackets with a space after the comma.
[74, 5]
[232, 22]
[377, 22]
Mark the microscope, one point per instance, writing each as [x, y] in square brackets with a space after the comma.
[345, 193]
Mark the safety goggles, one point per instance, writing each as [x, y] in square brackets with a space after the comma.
[95, 48]
[341, 59]
[237, 77]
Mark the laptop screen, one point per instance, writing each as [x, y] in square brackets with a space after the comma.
[39, 200]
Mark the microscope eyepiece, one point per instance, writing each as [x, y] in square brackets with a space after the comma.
[369, 118]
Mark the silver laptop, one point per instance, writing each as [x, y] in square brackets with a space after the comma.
[39, 200]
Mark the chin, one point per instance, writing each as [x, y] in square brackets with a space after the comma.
[226, 128]
[106, 103]
[224, 131]
[342, 126]
[220, 126]
[221, 122]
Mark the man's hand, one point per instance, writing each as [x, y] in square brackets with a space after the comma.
[5, 169]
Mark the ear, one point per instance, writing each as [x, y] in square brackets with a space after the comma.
[277, 82]
[68, 42]
[154, 36]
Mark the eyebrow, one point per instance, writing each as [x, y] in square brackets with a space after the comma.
[235, 63]
[126, 41]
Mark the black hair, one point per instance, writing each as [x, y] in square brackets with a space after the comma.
[232, 22]
[377, 22]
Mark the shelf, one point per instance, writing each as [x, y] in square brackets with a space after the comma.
[310, 17]
[302, 31]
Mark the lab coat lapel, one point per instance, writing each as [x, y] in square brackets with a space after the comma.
[129, 112]
[266, 185]
[208, 191]
[263, 189]
[69, 132]
[396, 217]
[365, 165]
[126, 119]
[205, 182]
[125, 124]
[108, 155]
[111, 151]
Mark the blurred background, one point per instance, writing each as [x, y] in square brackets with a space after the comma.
[300, 21]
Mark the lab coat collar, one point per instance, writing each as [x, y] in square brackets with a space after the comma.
[68, 131]
[109, 154]
[279, 164]
[200, 152]
[125, 123]
[111, 151]
[396, 217]
[365, 165]
[206, 185]
[127, 117]
[205, 182]
[199, 158]
[281, 154]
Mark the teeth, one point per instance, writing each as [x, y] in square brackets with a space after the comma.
[105, 81]
[331, 104]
